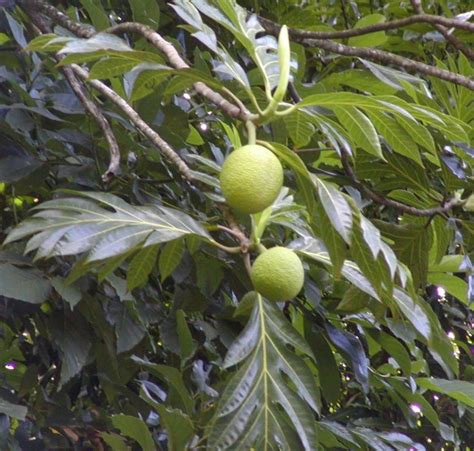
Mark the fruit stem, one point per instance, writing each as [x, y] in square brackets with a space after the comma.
[251, 132]
[286, 111]
[231, 250]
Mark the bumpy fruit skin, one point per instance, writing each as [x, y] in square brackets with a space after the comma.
[251, 178]
[278, 274]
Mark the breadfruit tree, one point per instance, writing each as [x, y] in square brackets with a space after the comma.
[236, 225]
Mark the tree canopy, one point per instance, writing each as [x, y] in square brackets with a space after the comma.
[128, 317]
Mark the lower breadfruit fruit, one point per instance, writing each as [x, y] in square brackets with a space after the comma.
[278, 274]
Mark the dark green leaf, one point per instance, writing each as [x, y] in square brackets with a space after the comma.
[26, 285]
[186, 342]
[170, 257]
[141, 266]
[146, 11]
[370, 39]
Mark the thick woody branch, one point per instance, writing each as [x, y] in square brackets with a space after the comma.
[453, 40]
[176, 61]
[385, 26]
[59, 17]
[379, 56]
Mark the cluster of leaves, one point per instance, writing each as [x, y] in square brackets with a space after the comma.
[120, 320]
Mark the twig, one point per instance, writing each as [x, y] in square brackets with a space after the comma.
[94, 111]
[378, 56]
[57, 16]
[344, 14]
[228, 230]
[376, 197]
[89, 105]
[293, 93]
[135, 118]
[384, 26]
[157, 41]
[247, 263]
[235, 228]
[177, 62]
[453, 40]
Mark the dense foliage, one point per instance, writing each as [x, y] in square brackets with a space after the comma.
[125, 321]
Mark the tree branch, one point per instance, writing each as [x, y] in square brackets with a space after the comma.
[378, 198]
[234, 228]
[89, 105]
[102, 122]
[157, 41]
[175, 59]
[385, 26]
[377, 56]
[178, 62]
[453, 40]
[135, 118]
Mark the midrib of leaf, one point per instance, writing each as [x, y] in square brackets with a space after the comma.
[263, 334]
[75, 209]
[122, 223]
[265, 376]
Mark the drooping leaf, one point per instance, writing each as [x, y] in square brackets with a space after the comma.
[102, 225]
[13, 410]
[396, 136]
[129, 330]
[26, 285]
[249, 410]
[73, 339]
[186, 342]
[315, 250]
[361, 129]
[172, 376]
[146, 11]
[352, 348]
[462, 391]
[300, 128]
[336, 207]
[411, 244]
[96, 13]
